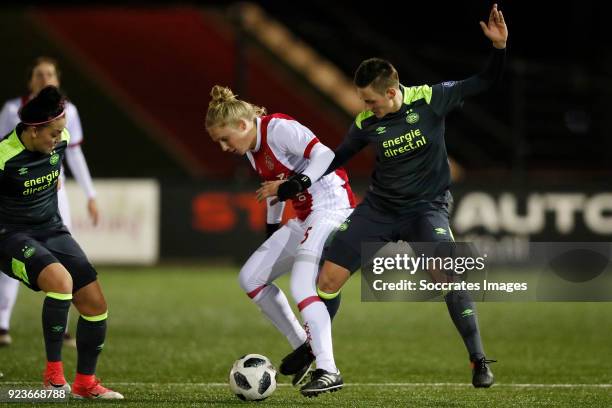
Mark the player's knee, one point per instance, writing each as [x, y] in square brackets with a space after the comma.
[89, 300]
[55, 278]
[63, 286]
[332, 278]
[248, 281]
[329, 283]
[99, 307]
[244, 281]
[92, 308]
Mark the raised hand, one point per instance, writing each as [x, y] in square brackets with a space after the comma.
[495, 29]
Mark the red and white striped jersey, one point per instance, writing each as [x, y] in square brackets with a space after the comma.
[283, 149]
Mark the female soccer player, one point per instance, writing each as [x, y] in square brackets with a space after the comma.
[37, 249]
[43, 72]
[409, 197]
[282, 150]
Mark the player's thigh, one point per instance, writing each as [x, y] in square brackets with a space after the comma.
[429, 234]
[69, 253]
[22, 257]
[317, 228]
[363, 225]
[431, 224]
[89, 300]
[55, 278]
[273, 258]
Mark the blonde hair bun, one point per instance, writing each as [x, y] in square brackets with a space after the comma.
[225, 108]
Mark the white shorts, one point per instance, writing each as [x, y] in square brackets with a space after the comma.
[293, 242]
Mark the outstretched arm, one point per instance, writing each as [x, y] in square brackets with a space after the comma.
[495, 30]
[448, 95]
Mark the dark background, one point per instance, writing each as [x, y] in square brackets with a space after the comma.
[141, 76]
[547, 119]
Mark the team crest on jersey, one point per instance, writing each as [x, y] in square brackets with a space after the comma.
[28, 251]
[344, 226]
[54, 159]
[412, 118]
[269, 162]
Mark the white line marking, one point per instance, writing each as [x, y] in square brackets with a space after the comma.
[440, 384]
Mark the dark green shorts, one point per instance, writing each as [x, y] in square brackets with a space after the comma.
[24, 254]
[428, 223]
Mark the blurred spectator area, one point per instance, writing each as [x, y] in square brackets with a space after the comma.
[141, 78]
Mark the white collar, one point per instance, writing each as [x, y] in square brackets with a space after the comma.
[258, 144]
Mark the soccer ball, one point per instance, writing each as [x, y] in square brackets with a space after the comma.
[252, 377]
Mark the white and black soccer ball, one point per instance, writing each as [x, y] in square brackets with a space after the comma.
[252, 377]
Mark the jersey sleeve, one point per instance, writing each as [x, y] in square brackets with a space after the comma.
[73, 124]
[293, 138]
[74, 155]
[78, 166]
[321, 157]
[296, 139]
[352, 144]
[7, 119]
[448, 95]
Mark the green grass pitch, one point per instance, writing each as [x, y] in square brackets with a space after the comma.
[175, 331]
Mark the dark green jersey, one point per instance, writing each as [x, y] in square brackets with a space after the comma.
[28, 185]
[411, 160]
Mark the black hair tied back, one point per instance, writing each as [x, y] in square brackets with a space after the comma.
[47, 105]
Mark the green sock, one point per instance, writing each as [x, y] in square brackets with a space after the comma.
[54, 318]
[91, 332]
[463, 312]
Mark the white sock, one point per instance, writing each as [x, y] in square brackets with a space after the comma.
[314, 313]
[318, 327]
[274, 305]
[9, 288]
